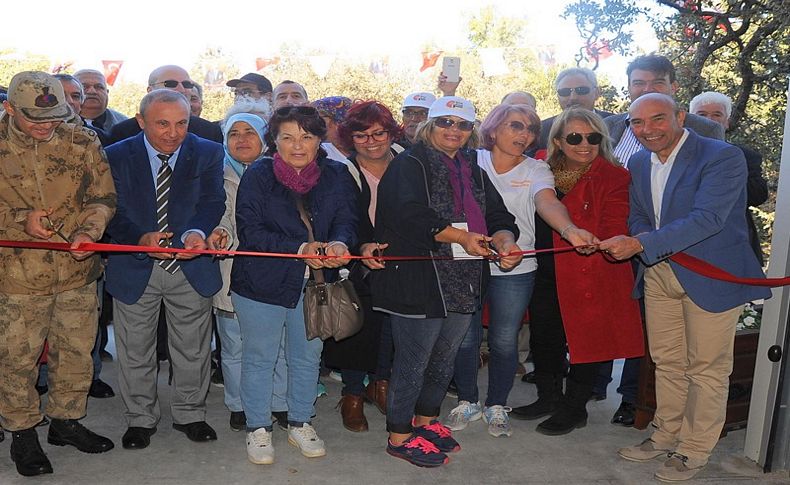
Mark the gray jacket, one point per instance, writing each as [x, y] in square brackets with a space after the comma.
[228, 223]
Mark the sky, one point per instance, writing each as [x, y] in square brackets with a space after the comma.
[146, 33]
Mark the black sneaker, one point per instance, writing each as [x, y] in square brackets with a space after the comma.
[27, 454]
[438, 434]
[64, 432]
[216, 377]
[281, 418]
[625, 415]
[418, 451]
[238, 421]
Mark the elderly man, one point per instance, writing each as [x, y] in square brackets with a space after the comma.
[75, 96]
[251, 85]
[414, 111]
[576, 87]
[170, 193]
[688, 194]
[520, 97]
[718, 107]
[646, 74]
[94, 107]
[196, 100]
[55, 185]
[289, 93]
[176, 79]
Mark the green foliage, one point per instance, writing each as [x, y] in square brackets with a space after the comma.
[12, 62]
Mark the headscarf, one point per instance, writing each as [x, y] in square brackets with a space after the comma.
[335, 107]
[257, 123]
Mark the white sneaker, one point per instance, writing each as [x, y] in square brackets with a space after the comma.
[498, 420]
[259, 447]
[463, 414]
[306, 439]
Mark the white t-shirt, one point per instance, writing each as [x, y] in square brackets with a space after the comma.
[518, 188]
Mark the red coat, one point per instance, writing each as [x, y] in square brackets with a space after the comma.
[602, 322]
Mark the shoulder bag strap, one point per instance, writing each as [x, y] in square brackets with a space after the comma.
[318, 275]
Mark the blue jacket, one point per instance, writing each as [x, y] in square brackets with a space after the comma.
[196, 201]
[267, 220]
[703, 214]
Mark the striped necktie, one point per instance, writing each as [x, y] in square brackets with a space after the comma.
[162, 193]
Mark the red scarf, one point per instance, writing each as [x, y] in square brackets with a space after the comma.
[301, 182]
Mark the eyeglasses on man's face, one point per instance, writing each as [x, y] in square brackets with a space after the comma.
[172, 83]
[415, 114]
[581, 91]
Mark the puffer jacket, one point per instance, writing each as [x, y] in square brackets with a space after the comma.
[69, 174]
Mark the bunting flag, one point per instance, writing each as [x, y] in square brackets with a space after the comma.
[599, 50]
[59, 67]
[262, 62]
[429, 59]
[321, 64]
[111, 70]
[493, 60]
[546, 56]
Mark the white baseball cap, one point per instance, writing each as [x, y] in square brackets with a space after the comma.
[419, 100]
[452, 106]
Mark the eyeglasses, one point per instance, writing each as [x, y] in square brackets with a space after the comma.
[581, 91]
[447, 123]
[172, 83]
[246, 92]
[414, 114]
[302, 110]
[518, 127]
[361, 138]
[576, 138]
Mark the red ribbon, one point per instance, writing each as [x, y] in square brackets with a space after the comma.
[689, 262]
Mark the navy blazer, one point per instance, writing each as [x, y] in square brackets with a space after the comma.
[703, 214]
[196, 201]
[267, 220]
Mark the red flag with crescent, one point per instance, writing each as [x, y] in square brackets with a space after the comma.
[111, 69]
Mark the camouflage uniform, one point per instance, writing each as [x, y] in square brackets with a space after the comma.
[48, 294]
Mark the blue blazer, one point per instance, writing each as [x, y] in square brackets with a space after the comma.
[268, 220]
[197, 201]
[703, 214]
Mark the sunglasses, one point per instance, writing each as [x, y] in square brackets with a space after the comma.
[302, 110]
[519, 127]
[172, 83]
[415, 114]
[581, 91]
[576, 138]
[447, 123]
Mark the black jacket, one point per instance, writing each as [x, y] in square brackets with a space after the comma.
[405, 220]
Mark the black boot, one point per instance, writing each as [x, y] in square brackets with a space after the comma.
[64, 432]
[549, 394]
[571, 412]
[27, 453]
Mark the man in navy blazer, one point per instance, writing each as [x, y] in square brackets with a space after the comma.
[688, 194]
[170, 193]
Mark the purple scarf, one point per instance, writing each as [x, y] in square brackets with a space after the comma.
[302, 182]
[462, 184]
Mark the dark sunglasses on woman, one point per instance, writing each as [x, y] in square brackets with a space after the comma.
[302, 110]
[576, 138]
[447, 123]
[519, 127]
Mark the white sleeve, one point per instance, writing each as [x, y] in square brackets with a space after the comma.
[542, 178]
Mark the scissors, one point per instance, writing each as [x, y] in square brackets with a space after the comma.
[56, 228]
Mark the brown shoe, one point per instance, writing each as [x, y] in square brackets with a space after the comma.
[377, 394]
[352, 410]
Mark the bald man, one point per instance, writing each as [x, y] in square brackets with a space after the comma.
[688, 194]
[177, 79]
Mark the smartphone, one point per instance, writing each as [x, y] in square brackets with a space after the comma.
[451, 68]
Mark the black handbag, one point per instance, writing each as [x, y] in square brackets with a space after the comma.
[331, 310]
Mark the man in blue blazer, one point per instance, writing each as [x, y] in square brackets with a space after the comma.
[170, 193]
[688, 193]
[647, 74]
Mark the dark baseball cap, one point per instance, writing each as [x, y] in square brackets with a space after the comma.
[264, 85]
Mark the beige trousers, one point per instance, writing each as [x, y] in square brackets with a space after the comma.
[68, 321]
[692, 349]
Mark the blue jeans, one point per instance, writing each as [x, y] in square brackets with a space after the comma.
[262, 327]
[230, 336]
[508, 298]
[425, 350]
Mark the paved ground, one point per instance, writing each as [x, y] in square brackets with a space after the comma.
[586, 456]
